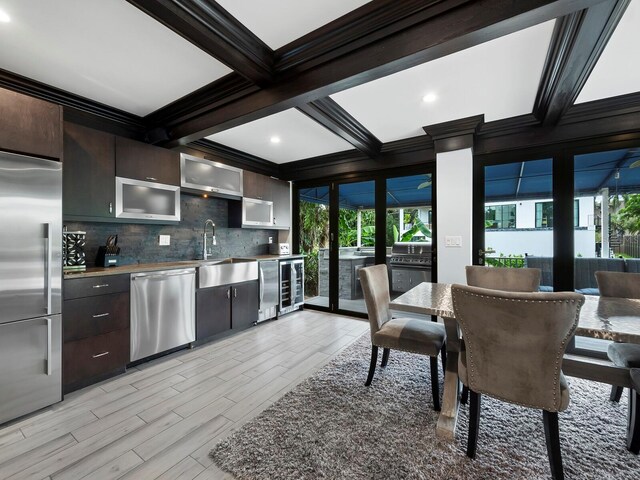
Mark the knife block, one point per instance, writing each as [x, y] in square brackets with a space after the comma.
[104, 259]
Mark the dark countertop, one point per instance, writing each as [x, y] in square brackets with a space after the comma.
[154, 267]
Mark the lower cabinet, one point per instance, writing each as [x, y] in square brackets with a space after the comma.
[219, 309]
[95, 330]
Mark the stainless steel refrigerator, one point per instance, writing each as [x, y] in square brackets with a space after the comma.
[30, 284]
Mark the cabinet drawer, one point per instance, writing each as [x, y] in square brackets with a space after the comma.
[94, 356]
[88, 287]
[90, 316]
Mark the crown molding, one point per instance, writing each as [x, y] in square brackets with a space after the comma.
[211, 28]
[577, 43]
[332, 116]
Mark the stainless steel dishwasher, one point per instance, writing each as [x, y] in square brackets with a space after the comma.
[163, 313]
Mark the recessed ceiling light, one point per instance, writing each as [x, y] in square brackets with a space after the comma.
[4, 17]
[429, 98]
[275, 139]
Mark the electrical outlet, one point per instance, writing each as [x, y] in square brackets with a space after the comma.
[164, 240]
[452, 241]
[270, 239]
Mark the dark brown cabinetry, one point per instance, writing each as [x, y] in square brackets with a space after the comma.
[219, 309]
[95, 329]
[257, 186]
[145, 162]
[30, 126]
[89, 169]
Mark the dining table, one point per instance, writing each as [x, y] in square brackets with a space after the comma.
[608, 318]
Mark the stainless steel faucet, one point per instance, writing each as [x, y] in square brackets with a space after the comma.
[205, 255]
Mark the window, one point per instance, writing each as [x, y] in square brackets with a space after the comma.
[544, 214]
[500, 216]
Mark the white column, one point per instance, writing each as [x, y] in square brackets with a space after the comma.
[454, 177]
[401, 222]
[359, 228]
[604, 231]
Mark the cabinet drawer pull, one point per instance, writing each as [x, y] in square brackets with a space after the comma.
[101, 285]
[100, 354]
[151, 179]
[101, 315]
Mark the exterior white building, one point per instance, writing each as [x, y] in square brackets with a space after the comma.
[532, 235]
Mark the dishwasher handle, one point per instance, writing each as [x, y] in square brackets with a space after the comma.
[164, 274]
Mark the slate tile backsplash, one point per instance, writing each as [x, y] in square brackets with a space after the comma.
[139, 242]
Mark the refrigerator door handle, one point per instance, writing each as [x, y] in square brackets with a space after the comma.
[261, 275]
[49, 349]
[49, 247]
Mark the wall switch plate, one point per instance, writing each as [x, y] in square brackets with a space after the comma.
[164, 239]
[453, 241]
[270, 239]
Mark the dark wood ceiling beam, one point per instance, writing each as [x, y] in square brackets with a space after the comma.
[577, 42]
[462, 27]
[211, 28]
[332, 116]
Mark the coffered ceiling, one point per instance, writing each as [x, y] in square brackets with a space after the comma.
[105, 50]
[279, 22]
[325, 77]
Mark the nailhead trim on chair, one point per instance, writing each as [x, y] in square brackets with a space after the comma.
[558, 362]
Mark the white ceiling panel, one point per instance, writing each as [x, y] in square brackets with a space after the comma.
[299, 137]
[498, 79]
[278, 22]
[105, 50]
[618, 70]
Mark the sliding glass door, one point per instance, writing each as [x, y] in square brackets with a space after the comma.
[344, 226]
[517, 221]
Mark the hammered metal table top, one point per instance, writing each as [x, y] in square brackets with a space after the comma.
[607, 318]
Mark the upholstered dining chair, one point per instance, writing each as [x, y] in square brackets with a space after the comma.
[507, 279]
[633, 435]
[407, 334]
[624, 285]
[498, 278]
[514, 345]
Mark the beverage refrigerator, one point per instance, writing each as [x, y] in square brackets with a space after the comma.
[30, 284]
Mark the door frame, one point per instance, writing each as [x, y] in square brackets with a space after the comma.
[380, 178]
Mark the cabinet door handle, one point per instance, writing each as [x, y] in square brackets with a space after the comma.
[229, 293]
[100, 354]
[101, 315]
[235, 293]
[110, 207]
[101, 285]
[151, 179]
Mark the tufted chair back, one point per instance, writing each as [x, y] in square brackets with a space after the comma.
[515, 342]
[508, 279]
[619, 284]
[375, 287]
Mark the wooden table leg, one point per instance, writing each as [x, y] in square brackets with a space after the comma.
[446, 427]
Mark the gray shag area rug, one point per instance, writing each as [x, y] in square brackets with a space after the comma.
[332, 426]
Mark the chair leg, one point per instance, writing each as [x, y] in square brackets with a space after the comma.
[385, 357]
[443, 355]
[464, 395]
[552, 437]
[616, 393]
[435, 383]
[474, 424]
[633, 422]
[372, 367]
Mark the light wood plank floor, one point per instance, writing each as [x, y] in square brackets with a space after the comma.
[161, 419]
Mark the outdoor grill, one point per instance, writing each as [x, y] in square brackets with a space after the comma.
[410, 264]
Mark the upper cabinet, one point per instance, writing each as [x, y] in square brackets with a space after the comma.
[202, 175]
[89, 170]
[281, 204]
[30, 126]
[149, 163]
[257, 186]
